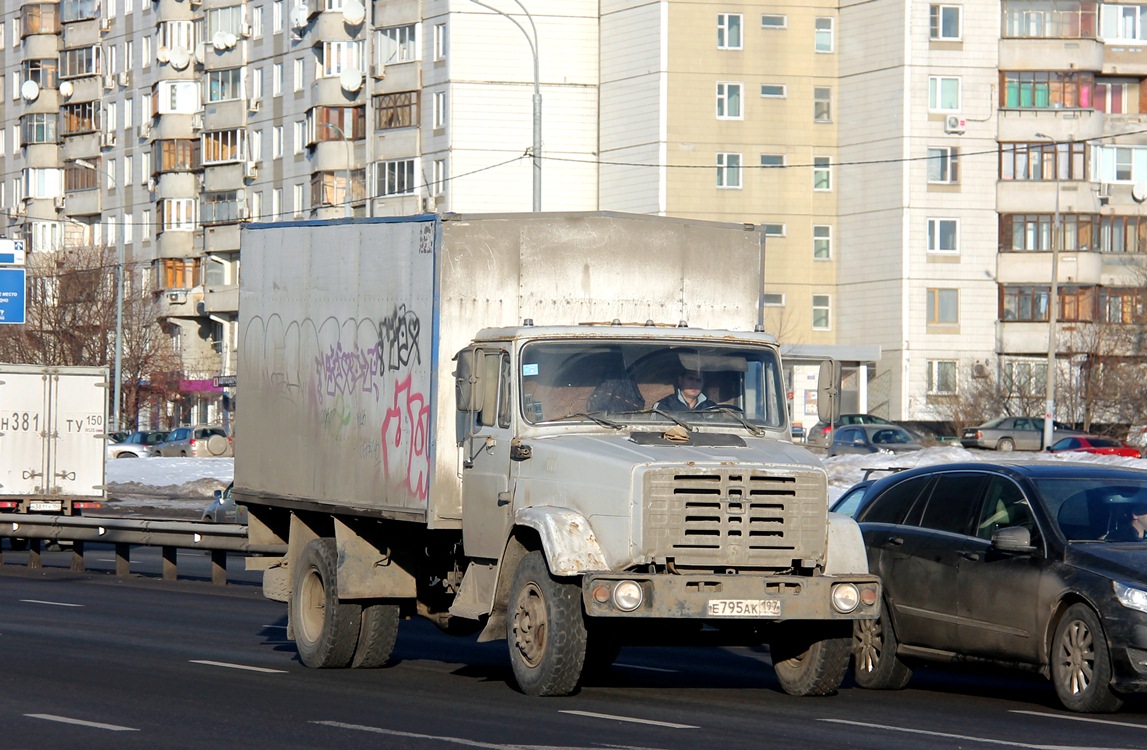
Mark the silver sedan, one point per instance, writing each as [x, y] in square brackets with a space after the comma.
[1012, 434]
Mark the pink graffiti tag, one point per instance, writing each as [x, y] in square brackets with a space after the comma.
[413, 429]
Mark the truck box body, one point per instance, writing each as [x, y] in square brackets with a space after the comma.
[350, 330]
[52, 428]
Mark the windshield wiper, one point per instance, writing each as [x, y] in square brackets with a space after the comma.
[594, 417]
[669, 415]
[736, 414]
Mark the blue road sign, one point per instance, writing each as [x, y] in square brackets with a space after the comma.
[12, 299]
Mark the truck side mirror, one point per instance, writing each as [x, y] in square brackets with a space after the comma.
[828, 392]
[468, 390]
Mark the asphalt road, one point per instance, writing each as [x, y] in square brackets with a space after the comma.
[95, 661]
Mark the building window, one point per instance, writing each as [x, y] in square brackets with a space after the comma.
[1025, 378]
[227, 20]
[824, 35]
[172, 35]
[1122, 23]
[299, 74]
[440, 41]
[397, 44]
[43, 18]
[439, 186]
[397, 110]
[43, 183]
[1122, 306]
[439, 109]
[277, 17]
[330, 188]
[395, 177]
[276, 203]
[943, 165]
[297, 199]
[83, 117]
[943, 94]
[176, 155]
[772, 161]
[728, 101]
[1040, 19]
[942, 376]
[224, 85]
[177, 273]
[822, 104]
[729, 31]
[221, 146]
[773, 91]
[82, 61]
[821, 312]
[944, 23]
[1047, 90]
[175, 97]
[39, 128]
[277, 79]
[773, 299]
[822, 242]
[336, 124]
[44, 72]
[728, 170]
[943, 236]
[177, 214]
[821, 173]
[1044, 161]
[277, 142]
[774, 22]
[773, 230]
[943, 307]
[340, 56]
[79, 10]
[1023, 303]
[81, 178]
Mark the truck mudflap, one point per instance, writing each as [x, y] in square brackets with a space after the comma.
[732, 596]
[567, 539]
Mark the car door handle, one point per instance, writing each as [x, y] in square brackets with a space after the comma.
[894, 541]
[503, 498]
[973, 556]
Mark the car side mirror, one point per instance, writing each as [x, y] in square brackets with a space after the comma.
[218, 494]
[1013, 539]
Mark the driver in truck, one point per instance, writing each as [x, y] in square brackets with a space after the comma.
[688, 395]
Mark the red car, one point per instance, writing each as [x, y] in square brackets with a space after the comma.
[1095, 444]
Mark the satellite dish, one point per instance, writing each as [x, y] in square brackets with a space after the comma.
[29, 90]
[1139, 192]
[353, 12]
[351, 79]
[299, 17]
[200, 52]
[163, 55]
[219, 41]
[66, 89]
[230, 40]
[180, 58]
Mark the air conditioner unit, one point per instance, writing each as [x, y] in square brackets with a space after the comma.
[196, 3]
[109, 81]
[107, 140]
[176, 296]
[244, 212]
[105, 24]
[954, 124]
[197, 121]
[254, 104]
[245, 30]
[125, 78]
[60, 203]
[980, 370]
[151, 184]
[378, 70]
[250, 170]
[145, 130]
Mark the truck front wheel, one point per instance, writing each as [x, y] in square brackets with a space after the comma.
[326, 629]
[545, 629]
[811, 658]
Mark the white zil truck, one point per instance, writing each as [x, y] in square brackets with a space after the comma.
[456, 416]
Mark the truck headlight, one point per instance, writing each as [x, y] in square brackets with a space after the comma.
[1130, 597]
[845, 597]
[627, 596]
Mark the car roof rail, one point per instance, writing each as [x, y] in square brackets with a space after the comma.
[890, 469]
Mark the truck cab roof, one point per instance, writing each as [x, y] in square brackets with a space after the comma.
[623, 331]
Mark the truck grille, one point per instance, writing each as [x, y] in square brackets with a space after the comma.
[729, 517]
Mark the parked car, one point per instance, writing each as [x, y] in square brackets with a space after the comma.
[821, 433]
[140, 444]
[197, 441]
[1014, 564]
[872, 438]
[852, 497]
[1104, 446]
[1013, 434]
[117, 437]
[223, 509]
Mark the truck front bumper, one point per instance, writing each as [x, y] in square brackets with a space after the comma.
[740, 596]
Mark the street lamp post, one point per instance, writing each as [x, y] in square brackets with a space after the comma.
[533, 42]
[1053, 304]
[348, 211]
[117, 374]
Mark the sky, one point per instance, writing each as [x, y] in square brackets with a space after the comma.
[197, 478]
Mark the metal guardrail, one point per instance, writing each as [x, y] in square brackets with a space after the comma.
[171, 536]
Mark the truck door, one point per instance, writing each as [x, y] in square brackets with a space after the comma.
[486, 503]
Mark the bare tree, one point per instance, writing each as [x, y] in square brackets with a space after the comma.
[979, 397]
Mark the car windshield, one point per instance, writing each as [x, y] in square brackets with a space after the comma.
[627, 382]
[1092, 509]
[889, 436]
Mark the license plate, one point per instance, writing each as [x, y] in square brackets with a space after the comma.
[43, 505]
[744, 608]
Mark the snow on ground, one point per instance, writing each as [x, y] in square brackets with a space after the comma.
[164, 487]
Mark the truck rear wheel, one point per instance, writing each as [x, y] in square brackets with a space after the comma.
[378, 630]
[545, 630]
[326, 629]
[811, 658]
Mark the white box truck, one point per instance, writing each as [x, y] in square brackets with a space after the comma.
[53, 422]
[475, 419]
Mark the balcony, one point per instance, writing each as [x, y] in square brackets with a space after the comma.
[1034, 54]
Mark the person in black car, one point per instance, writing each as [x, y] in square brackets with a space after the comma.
[1133, 528]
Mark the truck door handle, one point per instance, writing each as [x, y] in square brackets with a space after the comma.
[973, 556]
[894, 541]
[503, 498]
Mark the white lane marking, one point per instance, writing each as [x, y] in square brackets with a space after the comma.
[82, 723]
[647, 669]
[277, 627]
[965, 737]
[229, 665]
[631, 719]
[458, 740]
[1041, 714]
[53, 604]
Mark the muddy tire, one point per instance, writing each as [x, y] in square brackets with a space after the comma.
[326, 630]
[1081, 663]
[378, 631]
[875, 665]
[811, 658]
[545, 630]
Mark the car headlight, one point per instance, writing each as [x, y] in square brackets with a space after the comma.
[627, 596]
[1130, 596]
[845, 597]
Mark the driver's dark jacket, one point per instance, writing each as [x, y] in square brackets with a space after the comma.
[675, 402]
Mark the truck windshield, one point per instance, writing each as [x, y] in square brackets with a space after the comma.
[651, 382]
